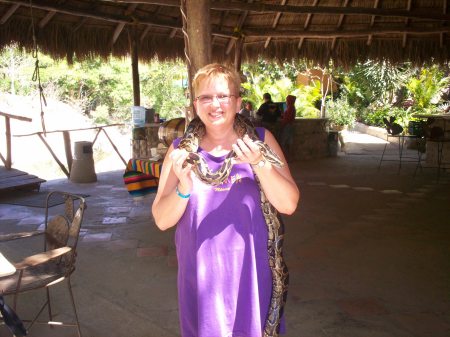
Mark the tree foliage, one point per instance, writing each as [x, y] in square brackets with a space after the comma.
[103, 89]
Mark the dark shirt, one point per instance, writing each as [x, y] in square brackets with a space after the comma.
[269, 112]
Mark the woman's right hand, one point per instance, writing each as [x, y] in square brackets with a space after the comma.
[183, 172]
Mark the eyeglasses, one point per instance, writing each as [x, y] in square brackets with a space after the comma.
[208, 99]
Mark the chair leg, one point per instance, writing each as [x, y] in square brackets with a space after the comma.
[69, 285]
[401, 145]
[382, 155]
[37, 315]
[440, 146]
[49, 307]
[419, 157]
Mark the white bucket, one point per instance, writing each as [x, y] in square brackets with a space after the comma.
[138, 115]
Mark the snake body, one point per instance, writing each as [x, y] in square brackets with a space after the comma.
[280, 276]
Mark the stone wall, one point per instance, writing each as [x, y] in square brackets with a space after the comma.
[310, 139]
[432, 146]
[143, 140]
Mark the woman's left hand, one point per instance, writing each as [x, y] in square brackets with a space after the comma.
[247, 151]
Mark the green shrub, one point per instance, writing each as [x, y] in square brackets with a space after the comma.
[340, 112]
[374, 115]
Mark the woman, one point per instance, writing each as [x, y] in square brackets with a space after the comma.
[287, 126]
[224, 278]
[247, 110]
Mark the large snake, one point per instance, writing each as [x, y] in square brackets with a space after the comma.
[280, 276]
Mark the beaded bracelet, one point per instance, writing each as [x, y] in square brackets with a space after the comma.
[181, 195]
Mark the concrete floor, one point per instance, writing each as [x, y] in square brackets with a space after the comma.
[368, 252]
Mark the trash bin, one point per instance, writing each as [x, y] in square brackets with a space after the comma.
[333, 143]
[83, 170]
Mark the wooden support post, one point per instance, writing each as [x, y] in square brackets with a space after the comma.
[96, 135]
[61, 165]
[8, 143]
[114, 147]
[238, 54]
[199, 33]
[68, 149]
[134, 51]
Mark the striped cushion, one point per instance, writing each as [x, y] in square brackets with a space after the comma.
[142, 176]
[145, 166]
[139, 184]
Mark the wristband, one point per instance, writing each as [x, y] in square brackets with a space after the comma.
[181, 195]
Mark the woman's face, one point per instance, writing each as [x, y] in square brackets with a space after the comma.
[216, 103]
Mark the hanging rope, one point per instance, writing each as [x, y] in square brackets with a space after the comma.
[36, 74]
[184, 31]
[189, 117]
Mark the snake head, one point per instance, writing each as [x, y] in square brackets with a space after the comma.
[192, 159]
[244, 126]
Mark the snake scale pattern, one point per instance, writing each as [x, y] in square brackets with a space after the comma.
[280, 276]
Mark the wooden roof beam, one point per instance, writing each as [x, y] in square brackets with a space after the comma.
[120, 26]
[46, 19]
[372, 22]
[241, 21]
[306, 25]
[309, 17]
[145, 32]
[341, 19]
[8, 13]
[223, 16]
[350, 33]
[46, 5]
[275, 23]
[80, 24]
[254, 7]
[405, 36]
[441, 37]
[173, 32]
[264, 8]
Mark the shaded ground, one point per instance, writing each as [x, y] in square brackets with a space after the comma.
[368, 252]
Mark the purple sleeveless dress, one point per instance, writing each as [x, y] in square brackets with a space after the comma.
[224, 278]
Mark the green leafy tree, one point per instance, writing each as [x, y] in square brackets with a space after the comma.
[375, 82]
[427, 90]
[162, 85]
[307, 98]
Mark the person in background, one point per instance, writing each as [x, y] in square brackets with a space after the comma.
[247, 110]
[269, 112]
[287, 127]
[224, 276]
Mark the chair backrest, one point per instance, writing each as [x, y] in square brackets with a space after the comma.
[63, 229]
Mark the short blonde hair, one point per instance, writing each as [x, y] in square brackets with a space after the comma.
[216, 70]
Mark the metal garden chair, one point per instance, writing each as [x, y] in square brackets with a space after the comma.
[55, 263]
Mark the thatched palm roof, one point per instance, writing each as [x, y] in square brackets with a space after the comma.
[345, 30]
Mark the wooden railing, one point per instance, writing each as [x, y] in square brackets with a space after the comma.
[8, 160]
[68, 145]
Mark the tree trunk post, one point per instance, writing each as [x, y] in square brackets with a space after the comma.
[199, 33]
[68, 149]
[134, 51]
